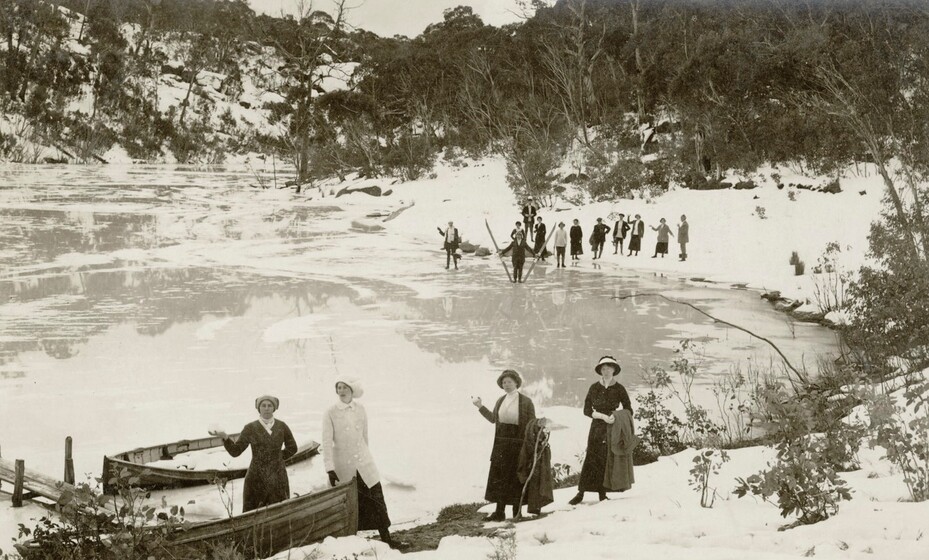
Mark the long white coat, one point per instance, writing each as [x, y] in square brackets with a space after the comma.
[345, 443]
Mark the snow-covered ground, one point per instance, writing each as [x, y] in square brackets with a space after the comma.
[221, 223]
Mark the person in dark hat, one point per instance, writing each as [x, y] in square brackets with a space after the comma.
[598, 238]
[346, 456]
[510, 416]
[530, 209]
[603, 398]
[266, 480]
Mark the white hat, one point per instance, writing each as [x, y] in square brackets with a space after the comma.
[608, 360]
[354, 384]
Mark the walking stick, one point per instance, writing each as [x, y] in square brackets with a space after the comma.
[497, 250]
[539, 257]
[543, 437]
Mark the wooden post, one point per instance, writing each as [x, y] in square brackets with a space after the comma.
[18, 483]
[69, 462]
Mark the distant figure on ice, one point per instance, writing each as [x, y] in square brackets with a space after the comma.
[346, 456]
[577, 238]
[451, 243]
[540, 238]
[511, 415]
[683, 237]
[266, 480]
[530, 209]
[603, 398]
[620, 228]
[598, 238]
[637, 229]
[518, 248]
[561, 243]
[661, 247]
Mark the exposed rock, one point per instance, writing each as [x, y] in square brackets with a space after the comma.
[780, 186]
[808, 315]
[245, 104]
[742, 185]
[55, 160]
[468, 247]
[773, 295]
[482, 252]
[832, 188]
[862, 193]
[786, 304]
[388, 192]
[367, 227]
[725, 185]
[372, 190]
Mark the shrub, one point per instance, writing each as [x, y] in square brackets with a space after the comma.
[707, 462]
[800, 481]
[830, 285]
[94, 525]
[659, 428]
[906, 441]
[803, 480]
[761, 212]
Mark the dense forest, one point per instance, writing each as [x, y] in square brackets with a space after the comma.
[695, 87]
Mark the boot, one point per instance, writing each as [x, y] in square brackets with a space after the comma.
[578, 498]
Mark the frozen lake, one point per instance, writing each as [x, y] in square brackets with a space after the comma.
[144, 304]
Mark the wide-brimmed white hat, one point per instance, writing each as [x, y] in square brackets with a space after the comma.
[354, 383]
[608, 360]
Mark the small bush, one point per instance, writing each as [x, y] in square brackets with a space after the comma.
[761, 212]
[906, 441]
[707, 463]
[659, 428]
[98, 526]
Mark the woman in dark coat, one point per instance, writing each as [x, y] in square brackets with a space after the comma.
[510, 416]
[518, 248]
[577, 237]
[540, 239]
[603, 398]
[266, 480]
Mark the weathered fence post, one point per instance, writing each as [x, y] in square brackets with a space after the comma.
[69, 462]
[18, 483]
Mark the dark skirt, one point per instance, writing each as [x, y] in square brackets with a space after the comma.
[503, 484]
[661, 248]
[595, 459]
[372, 508]
[576, 248]
[635, 244]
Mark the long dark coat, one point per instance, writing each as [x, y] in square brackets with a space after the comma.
[518, 251]
[577, 237]
[540, 490]
[540, 238]
[503, 484]
[604, 400]
[266, 480]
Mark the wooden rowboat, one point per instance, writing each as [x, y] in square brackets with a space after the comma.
[264, 531]
[136, 464]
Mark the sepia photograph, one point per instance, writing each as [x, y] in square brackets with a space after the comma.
[464, 279]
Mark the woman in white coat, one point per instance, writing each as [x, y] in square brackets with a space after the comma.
[346, 455]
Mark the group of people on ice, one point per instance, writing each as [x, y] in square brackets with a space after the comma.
[531, 235]
[520, 461]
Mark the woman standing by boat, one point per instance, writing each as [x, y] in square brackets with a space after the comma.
[266, 480]
[603, 398]
[346, 455]
[510, 416]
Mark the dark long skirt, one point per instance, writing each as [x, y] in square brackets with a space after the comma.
[372, 508]
[635, 244]
[576, 248]
[595, 459]
[503, 484]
